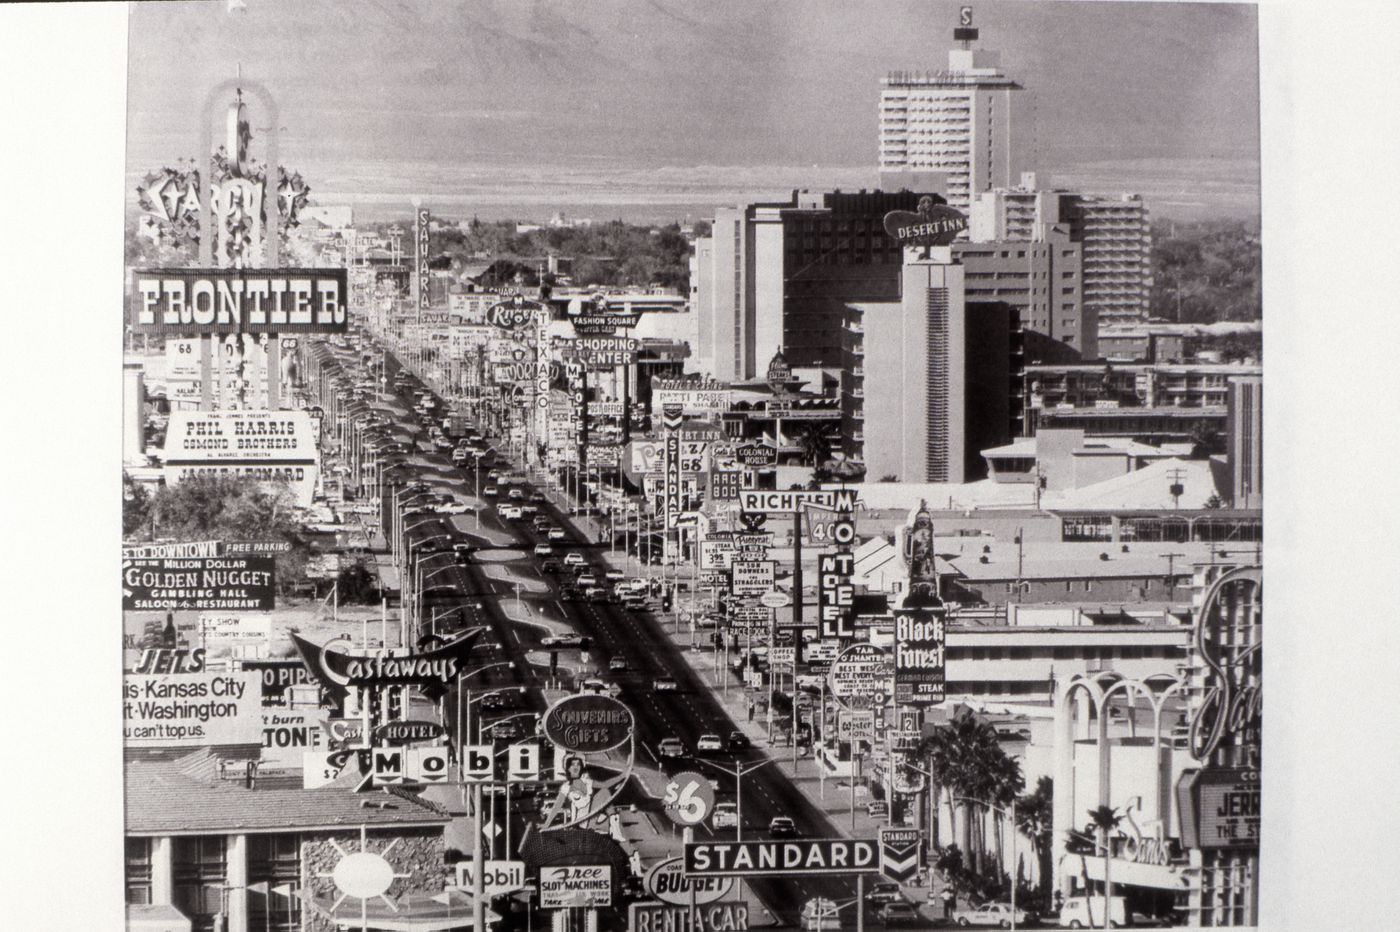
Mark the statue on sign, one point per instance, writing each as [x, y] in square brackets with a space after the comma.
[919, 557]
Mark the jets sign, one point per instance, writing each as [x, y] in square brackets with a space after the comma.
[773, 858]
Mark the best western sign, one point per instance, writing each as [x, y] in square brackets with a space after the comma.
[210, 301]
[773, 858]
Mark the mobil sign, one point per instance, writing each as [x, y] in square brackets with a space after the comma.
[497, 878]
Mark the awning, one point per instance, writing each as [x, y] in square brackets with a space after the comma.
[156, 918]
[417, 912]
[1133, 874]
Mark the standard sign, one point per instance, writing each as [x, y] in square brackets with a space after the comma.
[207, 301]
[775, 858]
[565, 887]
[661, 917]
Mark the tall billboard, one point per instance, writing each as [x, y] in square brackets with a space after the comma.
[218, 301]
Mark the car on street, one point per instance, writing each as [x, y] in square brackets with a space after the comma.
[989, 914]
[883, 891]
[511, 512]
[587, 580]
[877, 809]
[593, 685]
[738, 741]
[569, 594]
[489, 492]
[550, 566]
[541, 522]
[782, 827]
[709, 743]
[573, 557]
[820, 915]
[506, 729]
[558, 533]
[614, 576]
[670, 747]
[515, 495]
[899, 913]
[565, 640]
[725, 815]
[597, 595]
[617, 664]
[543, 551]
[442, 443]
[538, 497]
[665, 684]
[453, 508]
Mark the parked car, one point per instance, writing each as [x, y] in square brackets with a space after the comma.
[738, 741]
[994, 914]
[725, 815]
[883, 891]
[489, 492]
[670, 747]
[709, 743]
[1086, 912]
[782, 827]
[899, 913]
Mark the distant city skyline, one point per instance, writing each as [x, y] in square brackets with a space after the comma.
[657, 109]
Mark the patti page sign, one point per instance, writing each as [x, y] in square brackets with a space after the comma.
[586, 885]
[191, 709]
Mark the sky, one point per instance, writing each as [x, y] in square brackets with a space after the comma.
[521, 105]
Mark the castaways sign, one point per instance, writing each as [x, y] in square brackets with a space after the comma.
[210, 301]
[436, 668]
[588, 724]
[932, 224]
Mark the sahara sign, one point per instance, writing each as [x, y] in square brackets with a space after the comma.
[219, 301]
[588, 724]
[931, 225]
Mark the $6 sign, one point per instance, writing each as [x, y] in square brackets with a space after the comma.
[689, 798]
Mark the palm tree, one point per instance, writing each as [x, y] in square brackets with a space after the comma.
[969, 765]
[1035, 818]
[1104, 819]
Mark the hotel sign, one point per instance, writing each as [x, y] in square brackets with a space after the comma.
[1219, 808]
[224, 301]
[931, 225]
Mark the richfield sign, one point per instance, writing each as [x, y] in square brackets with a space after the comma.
[221, 301]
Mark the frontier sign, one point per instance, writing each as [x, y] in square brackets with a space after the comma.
[220, 301]
[776, 858]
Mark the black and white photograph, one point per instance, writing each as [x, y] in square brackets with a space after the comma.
[702, 467]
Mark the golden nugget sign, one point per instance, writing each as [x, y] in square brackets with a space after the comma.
[219, 301]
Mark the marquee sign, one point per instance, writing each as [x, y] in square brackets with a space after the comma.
[777, 858]
[1219, 808]
[862, 676]
[223, 301]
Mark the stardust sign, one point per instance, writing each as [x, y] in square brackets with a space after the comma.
[774, 858]
[199, 584]
[220, 301]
